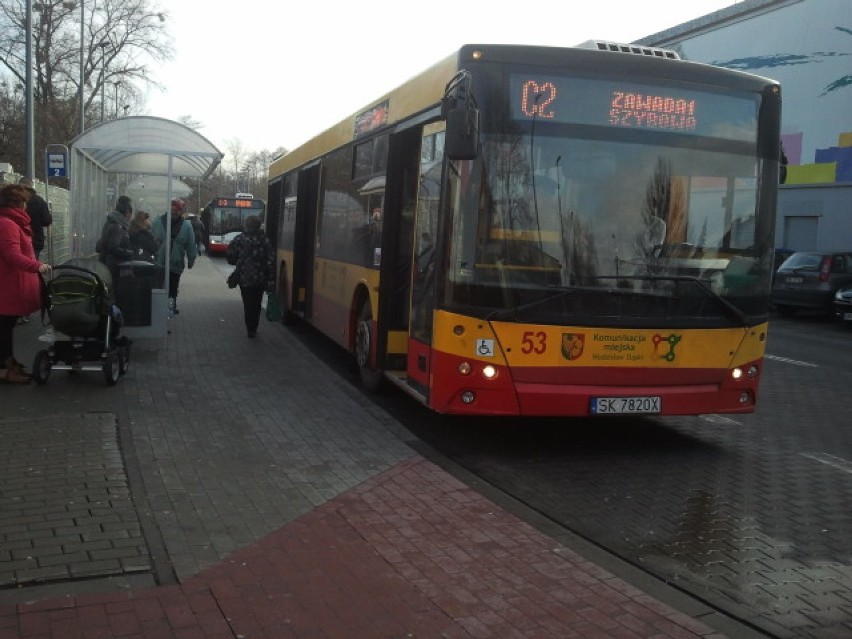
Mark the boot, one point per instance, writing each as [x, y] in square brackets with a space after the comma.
[13, 375]
[20, 368]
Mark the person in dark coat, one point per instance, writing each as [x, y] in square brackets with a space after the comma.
[198, 229]
[40, 216]
[254, 257]
[114, 246]
[141, 238]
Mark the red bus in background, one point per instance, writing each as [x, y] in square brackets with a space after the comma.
[224, 218]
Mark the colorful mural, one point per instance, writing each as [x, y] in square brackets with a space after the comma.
[807, 46]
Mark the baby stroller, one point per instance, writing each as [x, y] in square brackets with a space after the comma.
[80, 304]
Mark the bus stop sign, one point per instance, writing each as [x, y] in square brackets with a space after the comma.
[57, 164]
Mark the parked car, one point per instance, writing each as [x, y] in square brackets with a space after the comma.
[843, 304]
[809, 280]
[781, 254]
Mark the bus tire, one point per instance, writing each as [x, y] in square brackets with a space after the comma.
[372, 379]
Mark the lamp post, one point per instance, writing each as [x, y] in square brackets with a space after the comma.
[116, 85]
[81, 97]
[70, 5]
[29, 106]
[103, 44]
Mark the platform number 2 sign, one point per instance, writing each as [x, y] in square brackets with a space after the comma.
[57, 165]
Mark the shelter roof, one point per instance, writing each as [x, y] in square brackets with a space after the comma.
[144, 145]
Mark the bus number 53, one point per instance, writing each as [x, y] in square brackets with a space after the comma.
[534, 342]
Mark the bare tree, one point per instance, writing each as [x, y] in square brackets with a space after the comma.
[235, 156]
[121, 38]
[249, 173]
[190, 122]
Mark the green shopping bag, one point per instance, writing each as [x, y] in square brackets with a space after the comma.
[273, 308]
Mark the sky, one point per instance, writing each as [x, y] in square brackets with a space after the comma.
[268, 74]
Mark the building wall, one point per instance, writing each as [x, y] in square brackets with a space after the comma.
[807, 46]
[815, 218]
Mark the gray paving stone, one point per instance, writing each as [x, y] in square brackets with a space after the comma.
[206, 449]
[64, 472]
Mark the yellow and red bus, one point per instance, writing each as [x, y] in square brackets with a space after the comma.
[543, 231]
[224, 218]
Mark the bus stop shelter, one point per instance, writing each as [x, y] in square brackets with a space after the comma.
[108, 158]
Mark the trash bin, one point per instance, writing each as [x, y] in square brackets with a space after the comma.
[133, 292]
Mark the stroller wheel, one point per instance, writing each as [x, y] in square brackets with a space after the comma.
[123, 359]
[112, 368]
[41, 367]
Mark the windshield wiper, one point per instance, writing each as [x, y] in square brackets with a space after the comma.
[560, 291]
[732, 310]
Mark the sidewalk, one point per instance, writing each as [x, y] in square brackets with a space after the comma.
[228, 487]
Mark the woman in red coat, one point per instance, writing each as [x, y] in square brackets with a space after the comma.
[20, 289]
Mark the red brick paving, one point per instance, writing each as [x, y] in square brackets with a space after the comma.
[411, 553]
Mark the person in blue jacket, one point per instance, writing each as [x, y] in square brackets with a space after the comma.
[183, 248]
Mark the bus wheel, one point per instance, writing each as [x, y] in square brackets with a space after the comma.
[371, 378]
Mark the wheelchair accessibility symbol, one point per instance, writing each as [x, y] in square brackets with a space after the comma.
[485, 347]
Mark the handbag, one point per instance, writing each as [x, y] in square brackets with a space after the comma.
[273, 308]
[233, 279]
[46, 302]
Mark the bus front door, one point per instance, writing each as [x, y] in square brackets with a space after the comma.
[424, 265]
[307, 192]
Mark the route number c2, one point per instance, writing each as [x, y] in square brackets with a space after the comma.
[534, 342]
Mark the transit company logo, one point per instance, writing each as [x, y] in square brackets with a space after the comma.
[572, 345]
[671, 340]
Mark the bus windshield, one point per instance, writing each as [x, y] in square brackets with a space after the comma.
[567, 222]
[228, 219]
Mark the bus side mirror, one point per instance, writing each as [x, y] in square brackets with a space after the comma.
[462, 136]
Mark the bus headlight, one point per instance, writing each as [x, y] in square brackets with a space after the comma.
[489, 372]
[468, 397]
[750, 372]
[464, 368]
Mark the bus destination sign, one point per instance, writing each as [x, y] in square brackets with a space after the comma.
[238, 203]
[601, 102]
